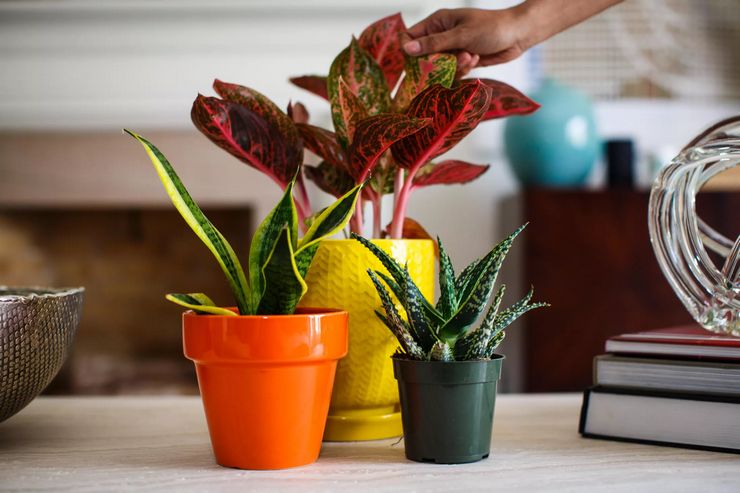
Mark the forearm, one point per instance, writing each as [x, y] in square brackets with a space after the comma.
[546, 18]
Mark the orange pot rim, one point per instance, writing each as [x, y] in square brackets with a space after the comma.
[301, 312]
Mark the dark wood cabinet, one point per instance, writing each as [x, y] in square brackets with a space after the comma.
[589, 255]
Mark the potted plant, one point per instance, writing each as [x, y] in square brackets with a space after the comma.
[390, 138]
[446, 368]
[265, 370]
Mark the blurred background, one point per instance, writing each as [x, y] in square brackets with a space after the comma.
[81, 205]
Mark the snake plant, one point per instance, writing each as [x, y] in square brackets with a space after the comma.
[278, 259]
[445, 331]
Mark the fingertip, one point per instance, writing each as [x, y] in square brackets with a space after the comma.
[412, 47]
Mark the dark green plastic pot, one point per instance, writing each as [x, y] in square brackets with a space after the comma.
[447, 408]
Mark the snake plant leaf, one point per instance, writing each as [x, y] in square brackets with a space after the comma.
[447, 304]
[364, 78]
[258, 103]
[374, 135]
[423, 72]
[474, 344]
[200, 224]
[304, 258]
[380, 40]
[399, 275]
[448, 173]
[441, 351]
[420, 325]
[284, 285]
[393, 320]
[506, 101]
[455, 112]
[331, 179]
[315, 84]
[247, 136]
[199, 303]
[323, 143]
[265, 240]
[332, 220]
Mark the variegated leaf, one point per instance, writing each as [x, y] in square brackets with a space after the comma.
[347, 109]
[447, 303]
[508, 316]
[201, 226]
[474, 344]
[247, 136]
[284, 285]
[363, 77]
[304, 258]
[332, 219]
[380, 40]
[199, 303]
[324, 144]
[424, 332]
[448, 172]
[374, 135]
[329, 178]
[315, 84]
[441, 352]
[393, 320]
[505, 101]
[422, 72]
[455, 112]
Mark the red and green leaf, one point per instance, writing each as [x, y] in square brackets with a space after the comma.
[364, 78]
[331, 179]
[448, 173]
[505, 101]
[374, 135]
[454, 113]
[247, 136]
[323, 143]
[347, 111]
[423, 72]
[315, 84]
[380, 39]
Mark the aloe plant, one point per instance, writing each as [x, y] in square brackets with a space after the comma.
[278, 258]
[446, 331]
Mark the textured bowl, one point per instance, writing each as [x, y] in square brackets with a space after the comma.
[37, 327]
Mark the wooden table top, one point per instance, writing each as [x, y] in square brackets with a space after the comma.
[161, 443]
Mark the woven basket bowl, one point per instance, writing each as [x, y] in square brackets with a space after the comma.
[37, 327]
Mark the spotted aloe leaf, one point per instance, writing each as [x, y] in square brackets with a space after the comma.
[331, 179]
[201, 226]
[474, 344]
[455, 112]
[247, 136]
[423, 72]
[374, 135]
[418, 321]
[284, 285]
[447, 303]
[505, 101]
[199, 303]
[363, 77]
[323, 143]
[380, 39]
[393, 319]
[508, 316]
[448, 173]
[315, 84]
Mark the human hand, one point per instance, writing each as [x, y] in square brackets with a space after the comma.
[478, 37]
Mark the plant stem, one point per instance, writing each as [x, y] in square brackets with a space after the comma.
[377, 206]
[302, 216]
[399, 212]
[355, 224]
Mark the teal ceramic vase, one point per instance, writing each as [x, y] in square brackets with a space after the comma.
[557, 145]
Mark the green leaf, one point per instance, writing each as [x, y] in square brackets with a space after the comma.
[265, 240]
[422, 72]
[332, 220]
[420, 325]
[441, 352]
[284, 285]
[200, 224]
[199, 303]
[508, 316]
[304, 258]
[474, 344]
[400, 276]
[447, 303]
[394, 321]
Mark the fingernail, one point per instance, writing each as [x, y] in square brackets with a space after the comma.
[412, 47]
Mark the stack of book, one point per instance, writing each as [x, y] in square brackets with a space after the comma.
[678, 387]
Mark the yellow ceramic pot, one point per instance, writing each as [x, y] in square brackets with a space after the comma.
[364, 404]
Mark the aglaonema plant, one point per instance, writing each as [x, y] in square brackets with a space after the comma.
[374, 76]
[278, 258]
[445, 331]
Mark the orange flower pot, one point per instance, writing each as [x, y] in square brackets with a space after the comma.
[266, 383]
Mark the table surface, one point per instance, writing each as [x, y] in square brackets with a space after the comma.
[161, 443]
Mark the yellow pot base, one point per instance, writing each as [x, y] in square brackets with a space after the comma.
[353, 425]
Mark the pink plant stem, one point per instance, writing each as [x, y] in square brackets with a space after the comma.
[303, 195]
[377, 224]
[399, 213]
[355, 224]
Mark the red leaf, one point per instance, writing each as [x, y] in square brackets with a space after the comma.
[297, 112]
[422, 72]
[374, 135]
[448, 173]
[505, 101]
[315, 84]
[380, 39]
[331, 179]
[247, 136]
[351, 110]
[323, 143]
[454, 112]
